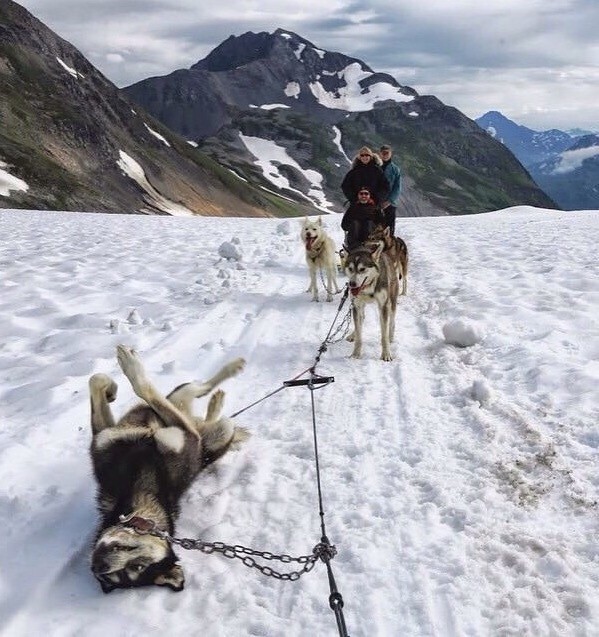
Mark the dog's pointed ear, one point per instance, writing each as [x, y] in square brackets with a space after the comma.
[376, 253]
[173, 578]
[387, 232]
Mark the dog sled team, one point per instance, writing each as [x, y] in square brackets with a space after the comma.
[373, 258]
[145, 461]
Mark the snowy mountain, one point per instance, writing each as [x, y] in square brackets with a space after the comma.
[528, 145]
[265, 71]
[459, 480]
[572, 177]
[71, 140]
[312, 109]
[564, 165]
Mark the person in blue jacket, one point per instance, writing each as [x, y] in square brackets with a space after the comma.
[393, 175]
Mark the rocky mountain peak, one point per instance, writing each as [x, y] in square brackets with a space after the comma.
[586, 141]
[237, 51]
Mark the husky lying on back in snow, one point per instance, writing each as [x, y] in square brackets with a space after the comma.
[320, 256]
[372, 279]
[144, 463]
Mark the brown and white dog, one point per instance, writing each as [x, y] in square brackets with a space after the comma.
[144, 463]
[396, 249]
[320, 257]
[372, 279]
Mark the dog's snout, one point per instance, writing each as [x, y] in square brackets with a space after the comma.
[99, 562]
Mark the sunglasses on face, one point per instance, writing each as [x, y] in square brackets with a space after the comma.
[364, 193]
[365, 155]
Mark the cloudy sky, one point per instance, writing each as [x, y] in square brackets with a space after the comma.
[537, 61]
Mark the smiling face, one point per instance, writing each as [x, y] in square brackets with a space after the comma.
[362, 270]
[311, 230]
[123, 558]
[365, 157]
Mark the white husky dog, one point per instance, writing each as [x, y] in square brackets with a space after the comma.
[320, 256]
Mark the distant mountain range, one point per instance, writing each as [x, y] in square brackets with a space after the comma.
[564, 164]
[266, 124]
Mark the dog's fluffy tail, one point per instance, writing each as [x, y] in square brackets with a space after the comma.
[240, 435]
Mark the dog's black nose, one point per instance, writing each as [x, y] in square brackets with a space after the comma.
[99, 564]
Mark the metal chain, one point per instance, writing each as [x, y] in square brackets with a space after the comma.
[321, 551]
[324, 285]
[341, 330]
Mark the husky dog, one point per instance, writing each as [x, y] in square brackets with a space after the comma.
[320, 255]
[396, 249]
[144, 463]
[372, 278]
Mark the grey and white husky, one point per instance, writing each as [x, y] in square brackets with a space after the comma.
[320, 256]
[372, 278]
[144, 463]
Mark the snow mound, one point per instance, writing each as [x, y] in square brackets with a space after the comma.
[284, 228]
[229, 250]
[462, 333]
[482, 392]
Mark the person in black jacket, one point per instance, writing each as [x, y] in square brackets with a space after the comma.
[360, 219]
[366, 171]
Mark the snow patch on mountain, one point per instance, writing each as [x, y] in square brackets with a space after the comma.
[157, 135]
[70, 69]
[293, 89]
[133, 169]
[298, 52]
[352, 97]
[9, 182]
[269, 107]
[337, 142]
[269, 156]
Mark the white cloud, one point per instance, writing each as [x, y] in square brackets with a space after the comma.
[572, 159]
[117, 58]
[537, 58]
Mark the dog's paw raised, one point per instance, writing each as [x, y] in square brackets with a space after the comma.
[350, 337]
[215, 406]
[236, 366]
[103, 385]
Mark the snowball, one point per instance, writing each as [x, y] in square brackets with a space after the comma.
[229, 250]
[284, 228]
[462, 333]
[482, 392]
[117, 326]
[134, 318]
